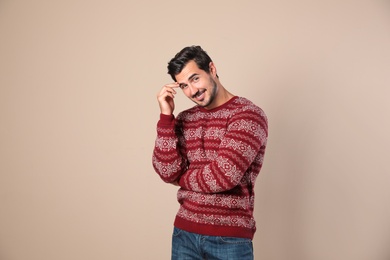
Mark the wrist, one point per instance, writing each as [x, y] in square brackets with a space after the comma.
[166, 120]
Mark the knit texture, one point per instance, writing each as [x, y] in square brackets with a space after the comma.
[215, 156]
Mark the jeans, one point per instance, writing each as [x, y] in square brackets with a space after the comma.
[191, 246]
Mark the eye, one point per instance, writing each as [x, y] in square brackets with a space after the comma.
[183, 86]
[195, 79]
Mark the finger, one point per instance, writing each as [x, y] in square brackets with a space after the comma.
[167, 89]
[172, 85]
[166, 93]
[171, 90]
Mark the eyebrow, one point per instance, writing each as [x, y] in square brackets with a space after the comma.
[181, 85]
[192, 76]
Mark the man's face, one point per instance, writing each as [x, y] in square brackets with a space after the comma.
[198, 85]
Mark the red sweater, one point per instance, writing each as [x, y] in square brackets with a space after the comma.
[215, 156]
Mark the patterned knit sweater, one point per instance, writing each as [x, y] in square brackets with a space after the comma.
[215, 156]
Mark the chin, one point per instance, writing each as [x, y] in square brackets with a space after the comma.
[207, 105]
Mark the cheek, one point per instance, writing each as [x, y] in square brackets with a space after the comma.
[187, 92]
[200, 84]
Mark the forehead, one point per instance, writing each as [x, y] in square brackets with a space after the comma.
[189, 69]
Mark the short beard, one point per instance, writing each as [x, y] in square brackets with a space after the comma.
[212, 94]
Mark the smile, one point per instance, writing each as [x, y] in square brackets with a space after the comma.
[199, 95]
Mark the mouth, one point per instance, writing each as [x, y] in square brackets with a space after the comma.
[199, 95]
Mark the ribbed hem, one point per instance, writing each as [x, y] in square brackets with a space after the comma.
[213, 230]
[166, 120]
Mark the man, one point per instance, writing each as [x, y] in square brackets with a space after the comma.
[213, 152]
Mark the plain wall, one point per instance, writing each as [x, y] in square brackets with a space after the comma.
[78, 111]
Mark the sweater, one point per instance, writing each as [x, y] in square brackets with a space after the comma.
[214, 156]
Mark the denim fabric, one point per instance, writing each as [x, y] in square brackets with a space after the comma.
[191, 246]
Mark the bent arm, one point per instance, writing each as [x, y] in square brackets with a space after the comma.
[246, 135]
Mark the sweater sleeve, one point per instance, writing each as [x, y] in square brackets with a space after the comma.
[246, 135]
[167, 159]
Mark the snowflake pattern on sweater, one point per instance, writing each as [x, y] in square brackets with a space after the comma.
[215, 156]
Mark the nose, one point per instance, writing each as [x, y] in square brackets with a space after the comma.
[193, 90]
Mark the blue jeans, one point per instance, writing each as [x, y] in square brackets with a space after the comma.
[191, 246]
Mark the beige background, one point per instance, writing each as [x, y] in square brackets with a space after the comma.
[78, 112]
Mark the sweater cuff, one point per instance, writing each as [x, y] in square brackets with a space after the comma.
[166, 120]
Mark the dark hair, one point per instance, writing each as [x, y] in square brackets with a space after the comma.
[195, 53]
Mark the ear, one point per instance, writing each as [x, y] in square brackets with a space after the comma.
[213, 69]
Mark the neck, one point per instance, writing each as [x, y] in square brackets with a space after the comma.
[224, 94]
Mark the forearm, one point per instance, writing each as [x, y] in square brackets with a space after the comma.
[168, 170]
[167, 159]
[235, 154]
[221, 174]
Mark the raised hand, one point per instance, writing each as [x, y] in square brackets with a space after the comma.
[165, 98]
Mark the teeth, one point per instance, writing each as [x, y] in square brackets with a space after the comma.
[199, 93]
